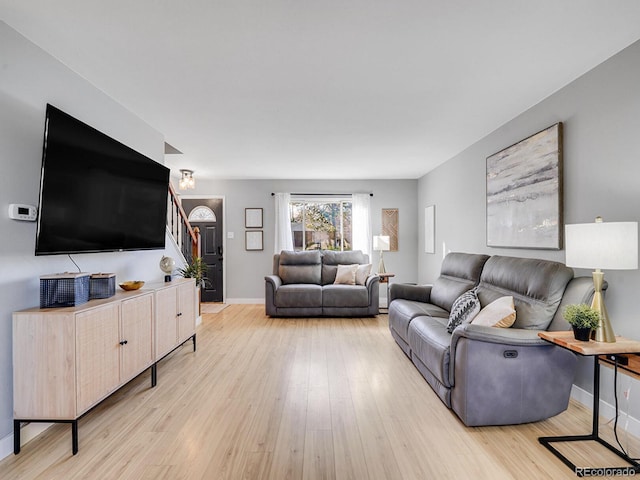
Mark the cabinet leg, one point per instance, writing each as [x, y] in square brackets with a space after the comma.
[74, 436]
[154, 374]
[194, 342]
[16, 437]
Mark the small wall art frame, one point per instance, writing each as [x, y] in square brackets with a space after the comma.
[430, 229]
[253, 217]
[253, 240]
[524, 193]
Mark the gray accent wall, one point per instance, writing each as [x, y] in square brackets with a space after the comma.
[601, 116]
[245, 270]
[29, 79]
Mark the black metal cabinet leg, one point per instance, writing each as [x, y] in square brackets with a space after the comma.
[154, 375]
[74, 436]
[194, 342]
[16, 437]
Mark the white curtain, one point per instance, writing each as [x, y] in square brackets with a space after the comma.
[361, 222]
[284, 239]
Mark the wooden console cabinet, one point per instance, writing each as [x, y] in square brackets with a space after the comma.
[67, 360]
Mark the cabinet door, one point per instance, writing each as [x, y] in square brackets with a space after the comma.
[136, 331]
[186, 311]
[97, 354]
[166, 326]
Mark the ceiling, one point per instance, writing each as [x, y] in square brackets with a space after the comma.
[325, 89]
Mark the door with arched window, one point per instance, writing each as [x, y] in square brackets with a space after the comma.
[206, 214]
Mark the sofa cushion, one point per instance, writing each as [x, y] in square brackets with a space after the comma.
[299, 296]
[536, 285]
[345, 296]
[331, 259]
[401, 312]
[346, 275]
[300, 267]
[363, 273]
[500, 313]
[430, 342]
[464, 309]
[459, 273]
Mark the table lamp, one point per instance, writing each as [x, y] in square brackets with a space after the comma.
[602, 245]
[381, 244]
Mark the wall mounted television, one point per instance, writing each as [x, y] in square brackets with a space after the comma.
[96, 194]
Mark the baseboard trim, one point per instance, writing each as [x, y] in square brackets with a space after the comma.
[27, 433]
[607, 411]
[245, 301]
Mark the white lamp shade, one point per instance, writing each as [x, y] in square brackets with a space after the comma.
[381, 243]
[603, 245]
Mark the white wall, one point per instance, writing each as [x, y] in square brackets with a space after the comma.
[246, 270]
[601, 116]
[29, 79]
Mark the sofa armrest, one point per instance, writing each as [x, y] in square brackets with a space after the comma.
[271, 285]
[503, 336]
[500, 376]
[417, 293]
[274, 280]
[371, 279]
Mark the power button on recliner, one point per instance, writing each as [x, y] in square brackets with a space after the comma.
[510, 354]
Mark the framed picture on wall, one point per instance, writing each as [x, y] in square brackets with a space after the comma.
[253, 240]
[524, 193]
[430, 229]
[253, 218]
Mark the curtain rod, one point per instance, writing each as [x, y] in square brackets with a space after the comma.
[322, 194]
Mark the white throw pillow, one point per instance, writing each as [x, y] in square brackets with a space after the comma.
[499, 313]
[463, 310]
[363, 273]
[346, 274]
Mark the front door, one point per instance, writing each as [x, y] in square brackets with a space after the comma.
[211, 241]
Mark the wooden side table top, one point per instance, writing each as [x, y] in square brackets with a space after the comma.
[565, 339]
[384, 277]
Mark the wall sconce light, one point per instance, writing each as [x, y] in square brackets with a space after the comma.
[187, 180]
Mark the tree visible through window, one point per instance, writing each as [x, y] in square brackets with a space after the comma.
[321, 225]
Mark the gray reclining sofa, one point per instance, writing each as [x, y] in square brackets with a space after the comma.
[302, 285]
[490, 375]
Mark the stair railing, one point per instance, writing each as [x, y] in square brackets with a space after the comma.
[186, 236]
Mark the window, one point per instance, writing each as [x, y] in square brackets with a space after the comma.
[321, 224]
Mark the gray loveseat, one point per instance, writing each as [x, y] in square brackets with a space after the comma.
[490, 375]
[302, 285]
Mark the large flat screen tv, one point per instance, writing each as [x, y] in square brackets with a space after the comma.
[96, 194]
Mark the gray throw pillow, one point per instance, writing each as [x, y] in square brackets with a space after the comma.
[463, 310]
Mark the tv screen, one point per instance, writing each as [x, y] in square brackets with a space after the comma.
[97, 194]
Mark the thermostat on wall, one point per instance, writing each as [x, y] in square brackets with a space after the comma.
[18, 211]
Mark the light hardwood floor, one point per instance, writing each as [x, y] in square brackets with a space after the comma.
[293, 399]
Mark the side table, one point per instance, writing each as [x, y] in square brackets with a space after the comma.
[593, 349]
[386, 278]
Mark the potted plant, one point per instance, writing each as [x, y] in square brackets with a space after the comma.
[195, 269]
[583, 319]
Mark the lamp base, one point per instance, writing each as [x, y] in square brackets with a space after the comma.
[381, 268]
[604, 330]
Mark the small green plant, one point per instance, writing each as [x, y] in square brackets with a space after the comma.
[581, 316]
[196, 269]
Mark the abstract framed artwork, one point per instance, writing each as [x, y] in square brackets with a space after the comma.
[253, 218]
[430, 229]
[524, 193]
[253, 240]
[390, 226]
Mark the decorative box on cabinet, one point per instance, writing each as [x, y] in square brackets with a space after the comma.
[67, 360]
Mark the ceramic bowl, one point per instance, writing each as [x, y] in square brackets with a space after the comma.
[131, 285]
